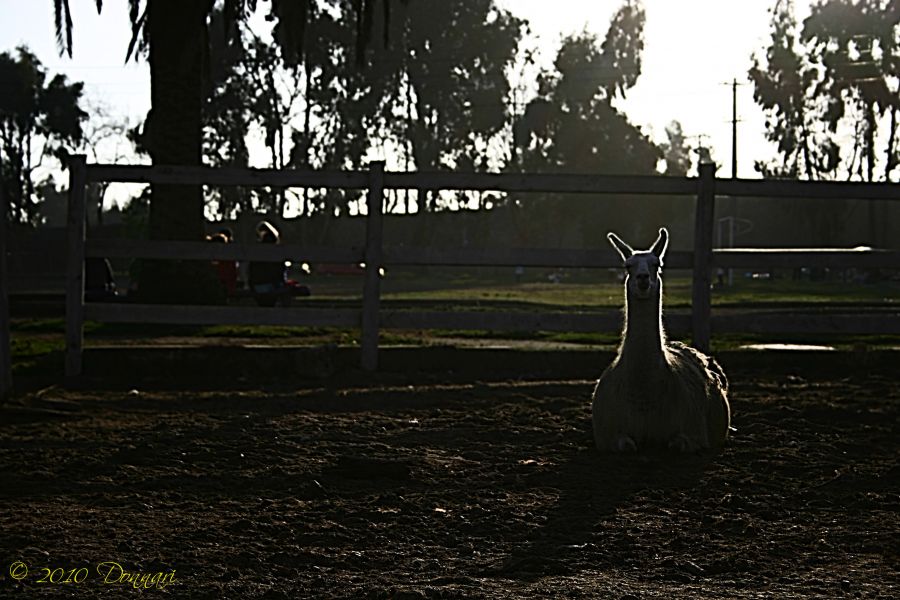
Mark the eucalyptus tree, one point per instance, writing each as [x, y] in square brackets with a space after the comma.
[855, 46]
[795, 122]
[173, 36]
[676, 151]
[227, 116]
[829, 89]
[836, 73]
[573, 126]
[38, 119]
[441, 86]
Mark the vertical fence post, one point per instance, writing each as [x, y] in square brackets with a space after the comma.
[372, 289]
[5, 347]
[75, 227]
[702, 276]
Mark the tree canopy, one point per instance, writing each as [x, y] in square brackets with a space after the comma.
[39, 118]
[833, 77]
[572, 125]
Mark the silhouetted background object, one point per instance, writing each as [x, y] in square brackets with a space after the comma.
[173, 35]
[269, 280]
[226, 269]
[33, 112]
[99, 283]
[266, 278]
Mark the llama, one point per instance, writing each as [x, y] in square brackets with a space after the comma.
[656, 393]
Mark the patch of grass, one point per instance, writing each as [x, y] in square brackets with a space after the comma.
[24, 348]
[262, 331]
[38, 325]
[590, 339]
[539, 294]
[608, 294]
[814, 292]
[286, 334]
[36, 354]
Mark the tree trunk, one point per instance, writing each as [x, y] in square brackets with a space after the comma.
[307, 110]
[891, 156]
[177, 37]
[178, 41]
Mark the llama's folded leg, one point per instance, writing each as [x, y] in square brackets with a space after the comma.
[684, 444]
[624, 443]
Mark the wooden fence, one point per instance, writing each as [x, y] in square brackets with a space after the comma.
[5, 346]
[375, 254]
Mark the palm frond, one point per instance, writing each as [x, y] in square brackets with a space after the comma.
[63, 21]
[137, 27]
[134, 11]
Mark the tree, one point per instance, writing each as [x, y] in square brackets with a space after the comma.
[446, 76]
[174, 34]
[104, 139]
[793, 122]
[38, 119]
[676, 151]
[256, 85]
[227, 116]
[856, 46]
[346, 112]
[837, 73]
[573, 126]
[833, 79]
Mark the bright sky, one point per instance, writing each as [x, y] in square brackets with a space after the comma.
[694, 48]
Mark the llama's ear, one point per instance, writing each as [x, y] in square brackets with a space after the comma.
[661, 243]
[624, 250]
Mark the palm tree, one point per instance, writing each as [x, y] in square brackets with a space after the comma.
[174, 34]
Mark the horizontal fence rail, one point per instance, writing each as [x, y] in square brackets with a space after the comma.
[756, 258]
[542, 182]
[220, 315]
[423, 180]
[820, 190]
[227, 177]
[174, 250]
[488, 257]
[377, 252]
[497, 182]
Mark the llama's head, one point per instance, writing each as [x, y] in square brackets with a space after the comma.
[642, 266]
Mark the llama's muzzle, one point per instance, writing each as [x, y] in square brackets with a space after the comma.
[643, 281]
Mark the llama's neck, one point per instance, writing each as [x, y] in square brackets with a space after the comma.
[643, 340]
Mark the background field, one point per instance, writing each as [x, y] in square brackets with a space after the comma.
[37, 340]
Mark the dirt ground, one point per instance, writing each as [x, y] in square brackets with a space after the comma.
[414, 488]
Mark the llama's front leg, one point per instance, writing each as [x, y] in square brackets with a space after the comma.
[624, 443]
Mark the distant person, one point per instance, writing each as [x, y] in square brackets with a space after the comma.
[227, 233]
[269, 280]
[99, 284]
[226, 270]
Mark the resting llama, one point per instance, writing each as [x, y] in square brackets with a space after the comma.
[656, 393]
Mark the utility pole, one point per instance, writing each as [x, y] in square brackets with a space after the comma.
[734, 121]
